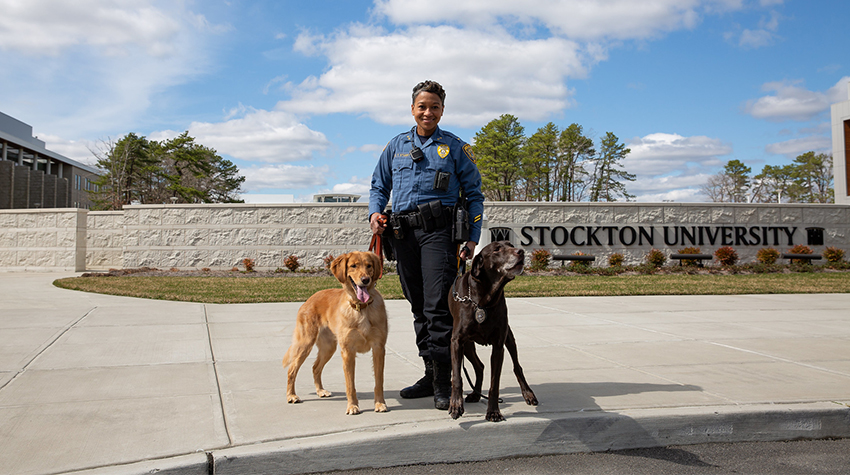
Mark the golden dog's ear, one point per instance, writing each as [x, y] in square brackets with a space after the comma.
[376, 266]
[338, 267]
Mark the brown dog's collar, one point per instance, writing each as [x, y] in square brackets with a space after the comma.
[358, 305]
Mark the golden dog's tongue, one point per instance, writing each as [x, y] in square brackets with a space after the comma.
[362, 293]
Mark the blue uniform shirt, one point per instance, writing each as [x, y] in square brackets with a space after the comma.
[412, 183]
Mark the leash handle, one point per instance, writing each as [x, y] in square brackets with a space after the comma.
[375, 246]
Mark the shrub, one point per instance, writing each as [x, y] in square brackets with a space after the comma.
[726, 256]
[690, 250]
[174, 269]
[234, 269]
[800, 249]
[249, 264]
[616, 260]
[767, 256]
[328, 260]
[540, 259]
[291, 262]
[579, 266]
[656, 258]
[833, 255]
[206, 269]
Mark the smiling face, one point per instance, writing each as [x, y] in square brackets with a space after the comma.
[358, 272]
[427, 109]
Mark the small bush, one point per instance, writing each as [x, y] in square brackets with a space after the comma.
[234, 269]
[206, 269]
[279, 270]
[800, 249]
[174, 269]
[833, 255]
[291, 262]
[328, 260]
[726, 256]
[581, 267]
[616, 260]
[767, 256]
[655, 258]
[690, 250]
[249, 264]
[540, 259]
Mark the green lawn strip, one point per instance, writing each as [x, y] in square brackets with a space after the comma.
[298, 289]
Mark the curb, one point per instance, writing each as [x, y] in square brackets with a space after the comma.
[521, 435]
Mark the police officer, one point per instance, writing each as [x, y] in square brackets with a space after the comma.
[426, 169]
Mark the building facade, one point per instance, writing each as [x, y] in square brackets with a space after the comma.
[32, 177]
[841, 149]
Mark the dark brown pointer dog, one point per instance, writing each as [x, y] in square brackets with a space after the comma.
[480, 316]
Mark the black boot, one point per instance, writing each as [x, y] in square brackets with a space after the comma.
[422, 388]
[442, 385]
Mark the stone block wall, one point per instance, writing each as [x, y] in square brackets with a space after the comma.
[104, 240]
[43, 240]
[220, 236]
[633, 229]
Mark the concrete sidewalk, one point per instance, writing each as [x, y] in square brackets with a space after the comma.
[103, 384]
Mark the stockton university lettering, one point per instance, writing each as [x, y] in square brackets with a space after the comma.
[671, 235]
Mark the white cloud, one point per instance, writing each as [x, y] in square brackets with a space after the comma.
[289, 177]
[671, 166]
[794, 147]
[661, 154]
[113, 55]
[79, 150]
[789, 101]
[372, 73]
[258, 135]
[577, 19]
[46, 27]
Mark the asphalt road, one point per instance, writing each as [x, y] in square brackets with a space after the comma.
[820, 457]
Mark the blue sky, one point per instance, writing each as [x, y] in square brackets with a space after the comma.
[302, 96]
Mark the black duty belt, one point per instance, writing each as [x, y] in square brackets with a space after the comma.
[428, 216]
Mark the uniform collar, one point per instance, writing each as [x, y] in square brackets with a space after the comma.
[436, 137]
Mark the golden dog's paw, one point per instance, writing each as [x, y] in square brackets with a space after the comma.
[352, 410]
[293, 399]
[381, 407]
[323, 393]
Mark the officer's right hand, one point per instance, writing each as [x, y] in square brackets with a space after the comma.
[378, 222]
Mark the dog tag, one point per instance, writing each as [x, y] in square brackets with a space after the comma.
[480, 315]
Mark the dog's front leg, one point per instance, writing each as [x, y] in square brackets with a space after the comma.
[527, 393]
[456, 400]
[378, 357]
[350, 393]
[496, 360]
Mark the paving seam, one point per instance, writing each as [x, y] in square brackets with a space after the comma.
[47, 347]
[217, 379]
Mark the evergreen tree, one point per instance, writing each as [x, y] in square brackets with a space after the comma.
[570, 175]
[608, 177]
[499, 149]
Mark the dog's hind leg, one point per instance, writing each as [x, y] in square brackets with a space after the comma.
[326, 344]
[496, 360]
[302, 343]
[527, 393]
[478, 367]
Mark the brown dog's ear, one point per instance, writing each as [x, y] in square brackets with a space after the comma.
[477, 265]
[338, 267]
[376, 266]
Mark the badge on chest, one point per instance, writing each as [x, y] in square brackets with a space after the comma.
[480, 315]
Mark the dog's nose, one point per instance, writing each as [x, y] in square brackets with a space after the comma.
[520, 253]
[365, 280]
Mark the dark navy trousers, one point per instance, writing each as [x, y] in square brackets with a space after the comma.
[427, 267]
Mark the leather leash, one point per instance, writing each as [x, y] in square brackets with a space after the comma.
[375, 246]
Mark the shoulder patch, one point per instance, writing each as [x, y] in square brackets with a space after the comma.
[467, 149]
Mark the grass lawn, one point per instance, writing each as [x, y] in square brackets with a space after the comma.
[297, 289]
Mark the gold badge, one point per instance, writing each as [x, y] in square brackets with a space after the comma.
[443, 150]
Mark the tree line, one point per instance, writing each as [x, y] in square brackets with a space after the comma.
[808, 179]
[179, 170]
[550, 165]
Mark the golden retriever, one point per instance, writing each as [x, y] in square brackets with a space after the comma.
[354, 316]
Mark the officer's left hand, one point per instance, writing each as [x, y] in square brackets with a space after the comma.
[468, 249]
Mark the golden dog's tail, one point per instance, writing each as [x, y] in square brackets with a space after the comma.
[287, 358]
